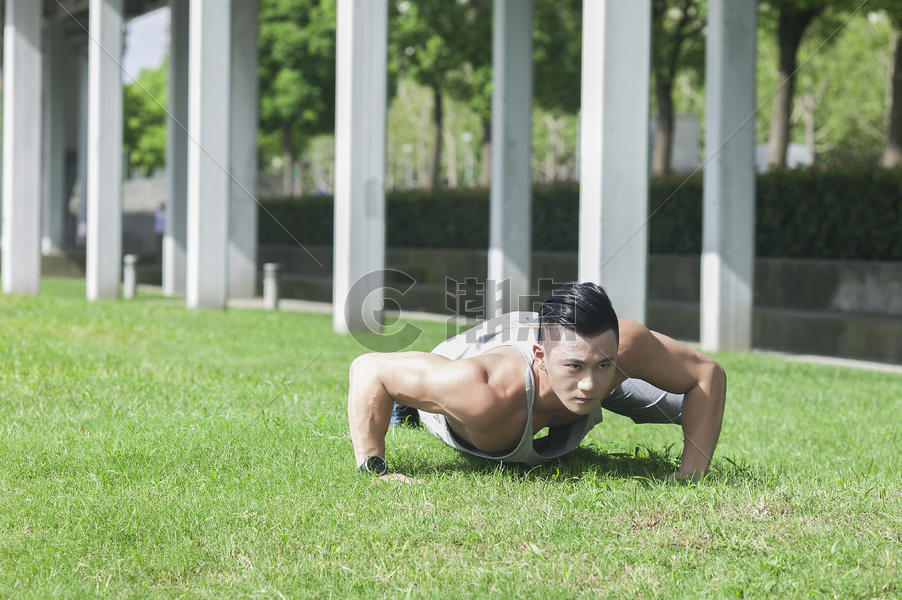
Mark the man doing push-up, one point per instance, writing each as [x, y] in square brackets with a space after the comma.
[490, 389]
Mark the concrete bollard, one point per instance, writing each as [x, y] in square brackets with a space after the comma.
[271, 286]
[129, 279]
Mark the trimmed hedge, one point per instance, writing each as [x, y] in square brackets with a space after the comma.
[799, 214]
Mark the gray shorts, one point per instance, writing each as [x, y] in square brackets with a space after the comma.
[644, 403]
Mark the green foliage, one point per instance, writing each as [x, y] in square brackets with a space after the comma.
[677, 38]
[557, 54]
[296, 71]
[831, 214]
[844, 62]
[144, 119]
[448, 46]
[309, 219]
[445, 46]
[855, 214]
[431, 38]
[407, 211]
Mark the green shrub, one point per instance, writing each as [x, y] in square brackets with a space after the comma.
[799, 214]
[831, 214]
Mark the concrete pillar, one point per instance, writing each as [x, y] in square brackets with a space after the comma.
[21, 263]
[175, 235]
[510, 214]
[359, 249]
[613, 166]
[103, 267]
[209, 155]
[728, 240]
[55, 116]
[243, 203]
[81, 183]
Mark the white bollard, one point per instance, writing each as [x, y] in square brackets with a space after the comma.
[129, 279]
[271, 286]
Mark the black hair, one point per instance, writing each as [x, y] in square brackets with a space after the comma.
[581, 307]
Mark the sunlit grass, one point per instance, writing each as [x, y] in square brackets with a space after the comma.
[149, 450]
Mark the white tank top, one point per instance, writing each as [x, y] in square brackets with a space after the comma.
[518, 329]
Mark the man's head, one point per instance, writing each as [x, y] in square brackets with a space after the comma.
[577, 345]
[583, 308]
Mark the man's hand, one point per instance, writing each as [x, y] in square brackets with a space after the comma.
[685, 476]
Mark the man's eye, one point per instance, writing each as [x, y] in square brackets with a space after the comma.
[573, 367]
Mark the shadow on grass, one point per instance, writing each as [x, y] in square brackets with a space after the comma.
[644, 464]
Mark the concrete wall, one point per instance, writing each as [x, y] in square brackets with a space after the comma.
[836, 308]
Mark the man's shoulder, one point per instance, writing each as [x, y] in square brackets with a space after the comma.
[633, 346]
[490, 365]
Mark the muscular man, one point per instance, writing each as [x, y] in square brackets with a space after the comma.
[489, 390]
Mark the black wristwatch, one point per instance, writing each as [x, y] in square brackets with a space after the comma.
[375, 465]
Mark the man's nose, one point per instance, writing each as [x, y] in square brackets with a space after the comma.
[587, 383]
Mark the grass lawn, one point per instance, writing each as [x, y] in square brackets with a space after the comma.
[151, 451]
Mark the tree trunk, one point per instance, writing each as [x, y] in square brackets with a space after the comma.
[485, 171]
[892, 152]
[661, 159]
[809, 106]
[287, 162]
[451, 170]
[790, 29]
[435, 167]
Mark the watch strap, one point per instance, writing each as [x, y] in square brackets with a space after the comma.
[374, 464]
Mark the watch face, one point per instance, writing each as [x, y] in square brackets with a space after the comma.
[376, 464]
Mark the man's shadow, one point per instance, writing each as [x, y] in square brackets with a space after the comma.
[644, 463]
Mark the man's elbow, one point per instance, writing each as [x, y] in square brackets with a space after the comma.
[718, 382]
[362, 369]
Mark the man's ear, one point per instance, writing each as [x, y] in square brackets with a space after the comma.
[538, 354]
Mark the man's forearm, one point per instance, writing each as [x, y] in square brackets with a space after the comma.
[703, 408]
[369, 410]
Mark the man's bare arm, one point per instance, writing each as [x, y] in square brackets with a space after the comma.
[677, 368]
[419, 380]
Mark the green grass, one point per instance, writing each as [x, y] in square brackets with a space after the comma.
[152, 451]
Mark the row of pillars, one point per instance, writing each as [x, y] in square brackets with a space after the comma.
[207, 232]
[614, 159]
[209, 250]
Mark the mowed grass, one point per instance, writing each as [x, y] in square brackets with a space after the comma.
[147, 450]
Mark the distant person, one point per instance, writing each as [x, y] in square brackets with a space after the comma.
[489, 390]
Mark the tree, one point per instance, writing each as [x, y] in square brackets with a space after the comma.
[557, 54]
[296, 75]
[840, 101]
[677, 27]
[557, 57]
[447, 47]
[144, 119]
[438, 43]
[471, 83]
[892, 149]
[792, 20]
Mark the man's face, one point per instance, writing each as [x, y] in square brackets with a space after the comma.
[580, 369]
